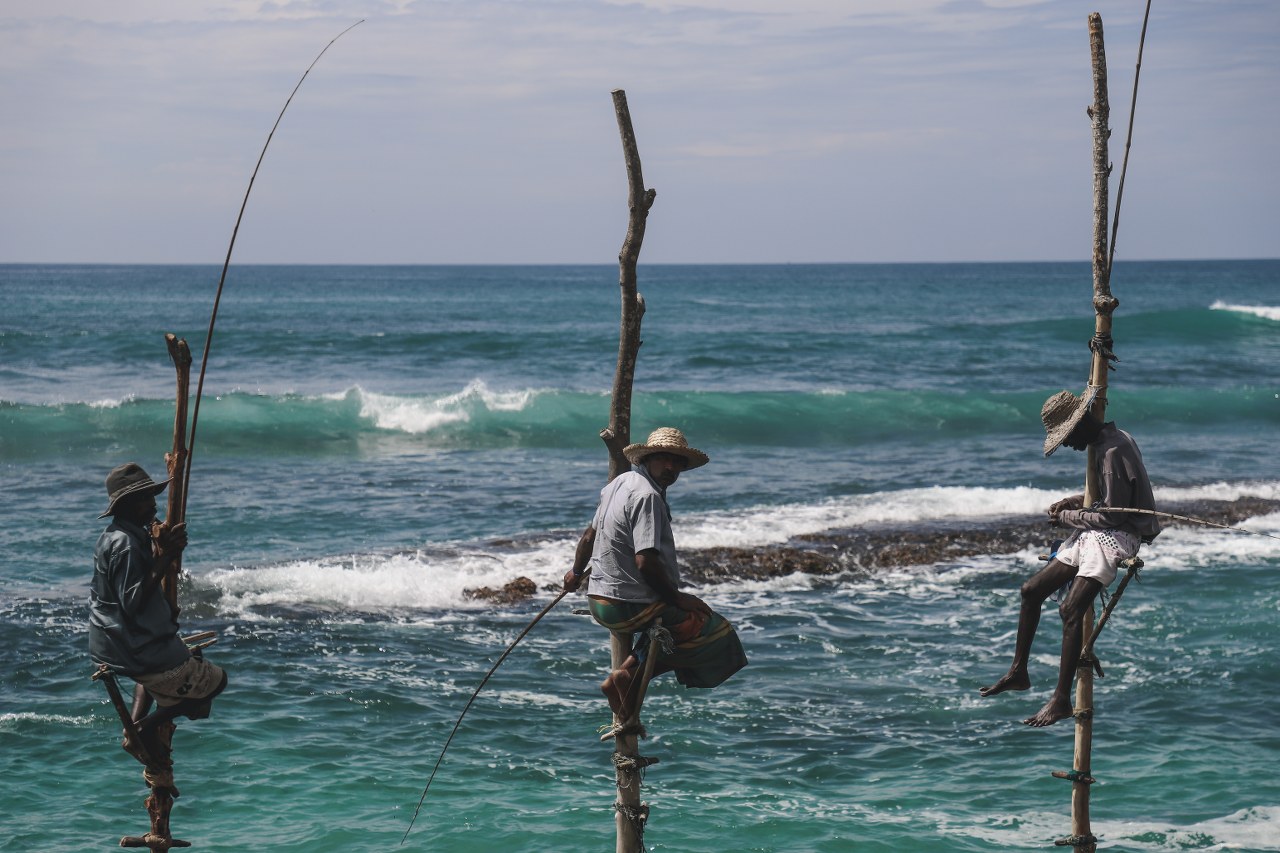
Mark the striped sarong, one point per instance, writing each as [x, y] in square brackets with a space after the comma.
[706, 648]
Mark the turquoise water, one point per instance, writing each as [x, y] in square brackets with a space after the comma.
[374, 440]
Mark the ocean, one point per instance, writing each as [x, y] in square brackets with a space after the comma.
[375, 440]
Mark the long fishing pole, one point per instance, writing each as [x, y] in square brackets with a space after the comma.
[1133, 107]
[476, 693]
[213, 317]
[1186, 518]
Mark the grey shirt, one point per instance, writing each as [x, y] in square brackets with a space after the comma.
[132, 629]
[632, 517]
[1122, 482]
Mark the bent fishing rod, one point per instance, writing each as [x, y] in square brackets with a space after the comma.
[1124, 168]
[476, 693]
[217, 300]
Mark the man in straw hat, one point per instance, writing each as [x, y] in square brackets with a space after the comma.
[635, 581]
[1099, 541]
[132, 628]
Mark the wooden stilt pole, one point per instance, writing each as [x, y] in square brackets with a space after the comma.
[176, 460]
[1104, 304]
[639, 200]
[630, 813]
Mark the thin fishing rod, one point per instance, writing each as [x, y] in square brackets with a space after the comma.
[1133, 107]
[213, 317]
[1186, 518]
[476, 693]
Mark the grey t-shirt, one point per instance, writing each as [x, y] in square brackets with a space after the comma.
[1123, 482]
[632, 517]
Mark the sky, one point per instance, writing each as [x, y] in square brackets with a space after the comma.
[774, 131]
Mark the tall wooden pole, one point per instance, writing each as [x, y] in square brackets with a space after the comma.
[1103, 305]
[176, 459]
[629, 813]
[639, 200]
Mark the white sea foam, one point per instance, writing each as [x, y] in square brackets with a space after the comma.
[1266, 312]
[1254, 829]
[544, 700]
[1196, 547]
[1220, 491]
[770, 525]
[423, 580]
[111, 403]
[421, 415]
[9, 722]
[435, 579]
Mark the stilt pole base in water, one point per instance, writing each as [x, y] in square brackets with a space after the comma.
[630, 814]
[157, 762]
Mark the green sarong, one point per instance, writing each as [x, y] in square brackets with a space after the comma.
[706, 648]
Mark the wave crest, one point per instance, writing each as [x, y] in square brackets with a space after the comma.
[1266, 312]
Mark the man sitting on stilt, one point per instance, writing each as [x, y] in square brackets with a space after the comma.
[634, 580]
[132, 629]
[1090, 555]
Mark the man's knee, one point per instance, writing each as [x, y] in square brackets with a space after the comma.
[1073, 606]
[199, 709]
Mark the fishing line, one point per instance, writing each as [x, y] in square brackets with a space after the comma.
[476, 693]
[204, 359]
[1186, 518]
[1133, 107]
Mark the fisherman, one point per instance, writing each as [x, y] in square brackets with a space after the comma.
[635, 580]
[1088, 558]
[132, 628]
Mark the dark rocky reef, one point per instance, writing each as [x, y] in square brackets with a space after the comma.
[512, 592]
[865, 550]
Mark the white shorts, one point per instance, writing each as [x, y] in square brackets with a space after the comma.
[1097, 553]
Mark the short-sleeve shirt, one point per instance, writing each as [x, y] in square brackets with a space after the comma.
[632, 517]
[1123, 482]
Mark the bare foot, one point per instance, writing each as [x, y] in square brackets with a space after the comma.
[1012, 680]
[616, 689]
[1055, 709]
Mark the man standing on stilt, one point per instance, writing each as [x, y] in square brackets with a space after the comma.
[1090, 555]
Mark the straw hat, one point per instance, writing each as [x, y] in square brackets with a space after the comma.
[666, 440]
[127, 480]
[1060, 415]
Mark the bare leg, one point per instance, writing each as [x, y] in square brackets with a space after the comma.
[141, 702]
[1083, 592]
[617, 688]
[1034, 592]
[141, 705]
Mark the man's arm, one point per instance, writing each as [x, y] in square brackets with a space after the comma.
[649, 562]
[167, 545]
[1115, 488]
[1070, 502]
[581, 556]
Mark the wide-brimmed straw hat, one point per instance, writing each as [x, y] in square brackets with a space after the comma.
[1060, 415]
[128, 480]
[666, 440]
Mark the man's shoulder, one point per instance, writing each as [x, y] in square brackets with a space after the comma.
[111, 536]
[633, 482]
[1117, 441]
[115, 539]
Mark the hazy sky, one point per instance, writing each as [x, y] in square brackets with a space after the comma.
[473, 131]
